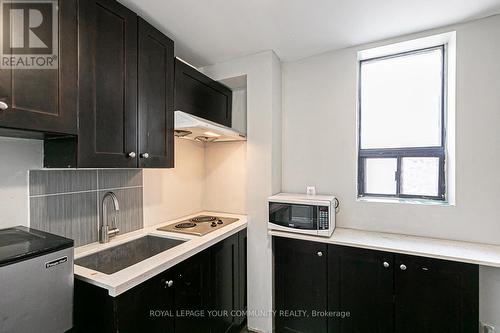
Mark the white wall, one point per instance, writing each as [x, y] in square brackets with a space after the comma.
[263, 72]
[225, 177]
[17, 157]
[319, 133]
[208, 177]
[172, 193]
[239, 119]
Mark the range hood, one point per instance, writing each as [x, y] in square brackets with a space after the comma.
[195, 128]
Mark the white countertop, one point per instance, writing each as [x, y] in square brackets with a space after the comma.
[134, 275]
[473, 253]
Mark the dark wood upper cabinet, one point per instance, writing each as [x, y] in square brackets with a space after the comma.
[45, 99]
[126, 93]
[435, 296]
[107, 85]
[201, 96]
[156, 98]
[300, 274]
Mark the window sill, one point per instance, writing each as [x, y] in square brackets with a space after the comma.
[425, 202]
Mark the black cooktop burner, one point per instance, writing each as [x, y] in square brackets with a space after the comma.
[203, 219]
[185, 225]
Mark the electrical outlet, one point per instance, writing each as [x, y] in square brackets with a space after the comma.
[487, 328]
[311, 190]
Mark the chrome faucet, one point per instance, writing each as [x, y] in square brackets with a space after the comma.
[105, 232]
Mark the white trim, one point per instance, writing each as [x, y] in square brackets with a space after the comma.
[448, 39]
[409, 45]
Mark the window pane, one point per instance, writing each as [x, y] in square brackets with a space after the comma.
[401, 101]
[380, 175]
[420, 176]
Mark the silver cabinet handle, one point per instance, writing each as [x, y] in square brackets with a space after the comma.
[386, 264]
[3, 106]
[169, 283]
[145, 155]
[403, 267]
[131, 154]
[320, 254]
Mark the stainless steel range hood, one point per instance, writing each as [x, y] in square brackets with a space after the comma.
[195, 128]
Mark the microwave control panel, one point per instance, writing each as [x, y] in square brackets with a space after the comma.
[323, 218]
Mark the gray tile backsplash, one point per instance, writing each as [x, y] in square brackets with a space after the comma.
[119, 178]
[69, 215]
[62, 181]
[67, 202]
[129, 217]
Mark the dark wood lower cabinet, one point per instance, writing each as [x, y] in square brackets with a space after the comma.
[191, 288]
[242, 285]
[225, 284]
[435, 296]
[192, 296]
[360, 283]
[147, 307]
[300, 285]
[371, 291]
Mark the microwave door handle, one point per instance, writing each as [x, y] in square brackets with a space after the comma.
[316, 218]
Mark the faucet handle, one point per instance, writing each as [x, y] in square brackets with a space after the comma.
[104, 234]
[113, 231]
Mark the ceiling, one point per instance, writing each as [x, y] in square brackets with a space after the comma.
[212, 31]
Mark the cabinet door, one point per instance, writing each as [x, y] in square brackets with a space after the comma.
[224, 284]
[191, 294]
[156, 98]
[148, 307]
[242, 276]
[365, 289]
[300, 273]
[435, 296]
[107, 85]
[45, 98]
[201, 96]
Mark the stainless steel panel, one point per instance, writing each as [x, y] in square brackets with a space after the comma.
[127, 254]
[37, 295]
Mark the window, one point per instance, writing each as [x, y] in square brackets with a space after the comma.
[402, 125]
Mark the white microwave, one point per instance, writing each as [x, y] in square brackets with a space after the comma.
[302, 213]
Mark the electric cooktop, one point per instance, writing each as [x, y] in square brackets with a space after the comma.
[199, 225]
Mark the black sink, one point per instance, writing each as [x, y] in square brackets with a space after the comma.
[114, 259]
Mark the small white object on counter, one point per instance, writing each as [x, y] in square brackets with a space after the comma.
[311, 190]
[473, 253]
[134, 275]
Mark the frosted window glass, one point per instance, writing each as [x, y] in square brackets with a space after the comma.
[420, 176]
[380, 175]
[401, 101]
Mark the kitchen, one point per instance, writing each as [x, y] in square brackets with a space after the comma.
[143, 125]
